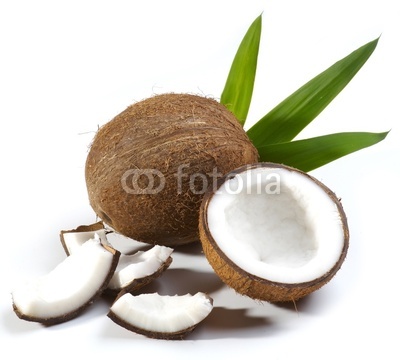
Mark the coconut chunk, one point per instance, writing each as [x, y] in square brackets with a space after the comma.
[69, 288]
[162, 317]
[273, 232]
[73, 239]
[135, 271]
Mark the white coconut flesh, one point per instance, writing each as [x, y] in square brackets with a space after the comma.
[277, 224]
[139, 265]
[156, 313]
[69, 286]
[73, 240]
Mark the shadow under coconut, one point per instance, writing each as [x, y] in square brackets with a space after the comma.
[15, 325]
[314, 303]
[183, 281]
[193, 248]
[233, 323]
[299, 305]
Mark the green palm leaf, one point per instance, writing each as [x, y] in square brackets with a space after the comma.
[293, 114]
[309, 154]
[239, 85]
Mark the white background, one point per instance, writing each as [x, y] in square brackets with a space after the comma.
[67, 67]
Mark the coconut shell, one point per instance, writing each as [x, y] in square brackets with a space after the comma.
[81, 228]
[178, 335]
[181, 142]
[253, 286]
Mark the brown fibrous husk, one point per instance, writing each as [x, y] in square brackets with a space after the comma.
[174, 134]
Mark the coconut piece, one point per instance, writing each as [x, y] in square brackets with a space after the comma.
[73, 239]
[272, 232]
[161, 317]
[133, 270]
[69, 288]
[148, 168]
[137, 270]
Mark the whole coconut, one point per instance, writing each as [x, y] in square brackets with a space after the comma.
[148, 168]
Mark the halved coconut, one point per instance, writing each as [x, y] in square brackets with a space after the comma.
[272, 232]
[139, 269]
[161, 317]
[69, 288]
[73, 239]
